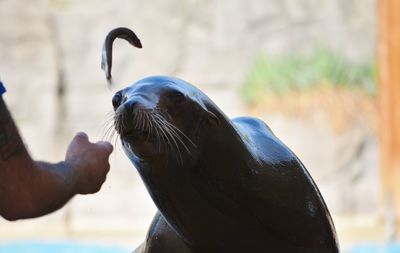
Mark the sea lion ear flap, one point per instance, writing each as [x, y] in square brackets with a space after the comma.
[211, 118]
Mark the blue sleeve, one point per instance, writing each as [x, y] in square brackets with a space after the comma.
[2, 89]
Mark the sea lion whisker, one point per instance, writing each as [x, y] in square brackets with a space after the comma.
[112, 137]
[108, 122]
[155, 125]
[173, 136]
[107, 125]
[164, 138]
[107, 133]
[123, 123]
[157, 134]
[138, 119]
[149, 125]
[117, 125]
[111, 132]
[158, 123]
[173, 144]
[178, 131]
[109, 116]
[176, 135]
[146, 116]
[160, 127]
[168, 131]
[119, 119]
[143, 123]
[108, 128]
[151, 131]
[165, 126]
[117, 144]
[160, 140]
[133, 119]
[182, 133]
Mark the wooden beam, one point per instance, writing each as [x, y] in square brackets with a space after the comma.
[389, 100]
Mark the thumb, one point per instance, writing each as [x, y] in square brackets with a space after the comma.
[81, 137]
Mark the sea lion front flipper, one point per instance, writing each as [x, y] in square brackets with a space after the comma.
[161, 238]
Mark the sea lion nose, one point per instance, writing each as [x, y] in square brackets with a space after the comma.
[130, 106]
[125, 112]
[128, 109]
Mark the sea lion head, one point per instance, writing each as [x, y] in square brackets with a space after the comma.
[177, 138]
[160, 121]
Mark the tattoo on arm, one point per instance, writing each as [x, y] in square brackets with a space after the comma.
[10, 141]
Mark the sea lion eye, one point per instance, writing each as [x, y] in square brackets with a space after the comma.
[116, 100]
[177, 97]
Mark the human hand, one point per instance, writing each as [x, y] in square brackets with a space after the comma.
[88, 162]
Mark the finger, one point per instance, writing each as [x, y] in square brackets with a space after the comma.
[106, 145]
[107, 170]
[81, 137]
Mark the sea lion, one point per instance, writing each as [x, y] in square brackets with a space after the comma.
[220, 185]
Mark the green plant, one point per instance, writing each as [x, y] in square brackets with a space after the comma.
[295, 72]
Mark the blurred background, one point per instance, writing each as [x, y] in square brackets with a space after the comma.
[306, 67]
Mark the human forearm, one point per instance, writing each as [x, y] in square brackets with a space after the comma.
[29, 188]
[40, 190]
[15, 165]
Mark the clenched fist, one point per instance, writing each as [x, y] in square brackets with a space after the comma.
[88, 162]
